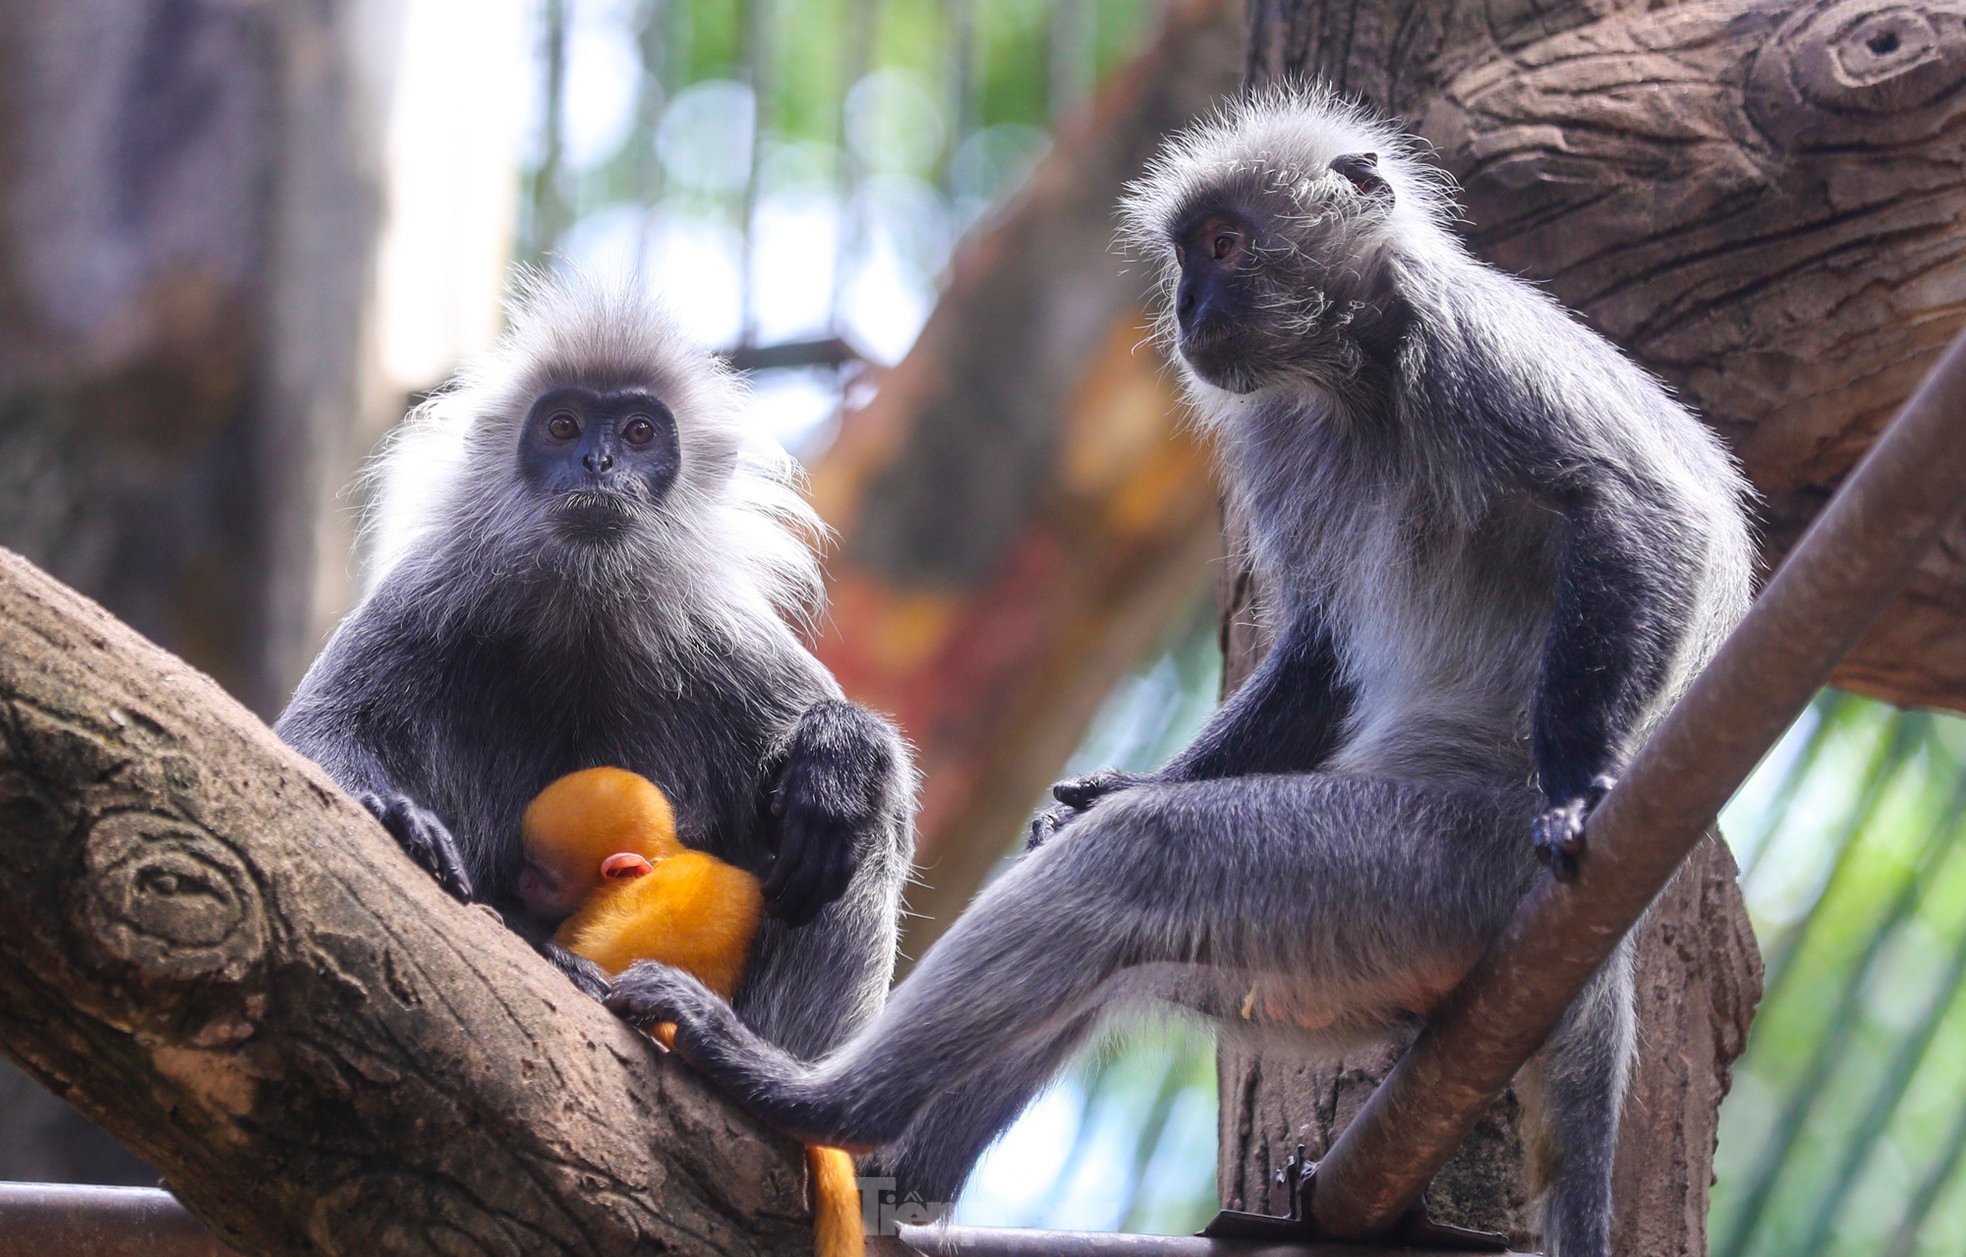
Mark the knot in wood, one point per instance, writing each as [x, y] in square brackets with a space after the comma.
[1516, 24]
[168, 899]
[1861, 72]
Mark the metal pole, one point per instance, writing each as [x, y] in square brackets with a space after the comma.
[979, 1241]
[63, 1220]
[1857, 556]
[67, 1220]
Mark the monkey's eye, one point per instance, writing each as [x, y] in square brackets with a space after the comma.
[1225, 244]
[563, 427]
[638, 430]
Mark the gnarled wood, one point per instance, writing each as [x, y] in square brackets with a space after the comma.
[215, 954]
[189, 198]
[1765, 203]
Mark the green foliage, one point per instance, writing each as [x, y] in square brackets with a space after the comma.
[1844, 1132]
[976, 65]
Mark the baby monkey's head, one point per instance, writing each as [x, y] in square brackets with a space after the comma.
[1275, 228]
[586, 830]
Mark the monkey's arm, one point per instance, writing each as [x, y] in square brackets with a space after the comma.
[1284, 718]
[835, 783]
[1627, 580]
[810, 987]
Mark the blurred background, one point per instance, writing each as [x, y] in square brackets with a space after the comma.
[895, 215]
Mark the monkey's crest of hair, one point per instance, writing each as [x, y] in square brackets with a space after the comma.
[1329, 248]
[733, 538]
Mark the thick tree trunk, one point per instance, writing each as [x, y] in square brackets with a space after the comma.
[1764, 203]
[1698, 981]
[210, 950]
[186, 233]
[187, 211]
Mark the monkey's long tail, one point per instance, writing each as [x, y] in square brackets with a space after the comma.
[837, 1226]
[1574, 1112]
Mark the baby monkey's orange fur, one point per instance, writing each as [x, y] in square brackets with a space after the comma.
[607, 839]
[601, 846]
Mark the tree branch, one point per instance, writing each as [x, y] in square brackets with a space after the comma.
[213, 952]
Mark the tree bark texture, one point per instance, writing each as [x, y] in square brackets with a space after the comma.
[1766, 204]
[188, 203]
[210, 950]
[1021, 510]
[1762, 201]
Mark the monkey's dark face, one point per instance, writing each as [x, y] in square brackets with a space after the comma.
[1278, 274]
[549, 892]
[1216, 253]
[600, 462]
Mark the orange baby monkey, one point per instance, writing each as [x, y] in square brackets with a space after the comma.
[603, 860]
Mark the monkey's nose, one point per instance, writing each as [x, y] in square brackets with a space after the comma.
[532, 889]
[597, 461]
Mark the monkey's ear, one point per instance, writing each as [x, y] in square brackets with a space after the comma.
[624, 865]
[1361, 170]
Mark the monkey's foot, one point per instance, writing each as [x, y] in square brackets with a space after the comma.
[1075, 795]
[648, 994]
[766, 1080]
[424, 838]
[1559, 832]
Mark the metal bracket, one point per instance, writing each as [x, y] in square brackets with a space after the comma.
[1298, 1178]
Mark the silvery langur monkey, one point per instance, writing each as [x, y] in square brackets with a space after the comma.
[1492, 550]
[587, 558]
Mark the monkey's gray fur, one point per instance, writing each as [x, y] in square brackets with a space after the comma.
[1493, 550]
[501, 647]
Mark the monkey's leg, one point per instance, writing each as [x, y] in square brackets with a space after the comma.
[1284, 719]
[934, 1158]
[1345, 885]
[1576, 1091]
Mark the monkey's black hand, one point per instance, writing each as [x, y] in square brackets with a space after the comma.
[1074, 796]
[648, 994]
[418, 831]
[819, 831]
[1559, 832]
[582, 972]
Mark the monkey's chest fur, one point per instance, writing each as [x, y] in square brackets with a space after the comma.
[1436, 589]
[490, 721]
